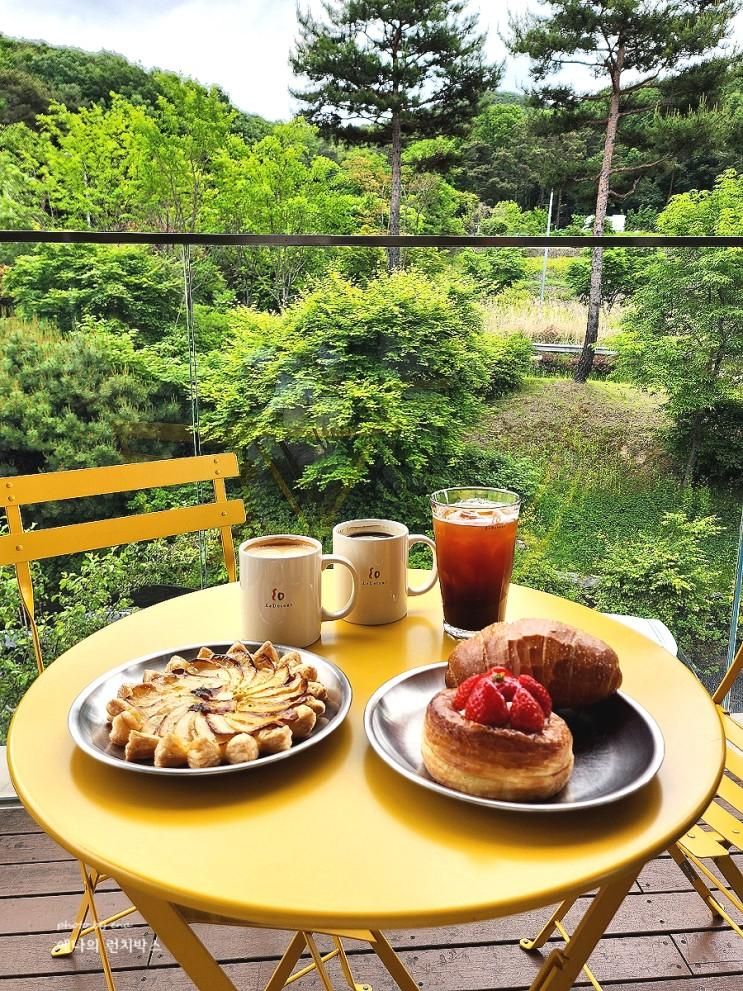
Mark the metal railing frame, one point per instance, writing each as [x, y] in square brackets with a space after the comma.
[367, 240]
[389, 241]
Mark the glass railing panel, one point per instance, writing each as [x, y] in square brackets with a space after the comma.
[346, 391]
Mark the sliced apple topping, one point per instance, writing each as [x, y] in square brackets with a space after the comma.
[217, 708]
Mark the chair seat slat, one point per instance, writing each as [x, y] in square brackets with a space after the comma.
[36, 545]
[725, 823]
[733, 730]
[56, 486]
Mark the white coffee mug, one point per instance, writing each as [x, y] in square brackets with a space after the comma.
[378, 550]
[281, 588]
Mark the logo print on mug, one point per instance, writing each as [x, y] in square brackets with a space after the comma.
[277, 600]
[374, 577]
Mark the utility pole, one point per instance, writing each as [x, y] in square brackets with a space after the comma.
[546, 250]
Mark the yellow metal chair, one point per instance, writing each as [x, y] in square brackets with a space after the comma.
[20, 547]
[725, 831]
[717, 842]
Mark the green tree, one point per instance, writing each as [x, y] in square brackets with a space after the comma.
[22, 189]
[65, 283]
[280, 185]
[351, 386]
[622, 272]
[67, 401]
[22, 97]
[684, 332]
[77, 78]
[492, 269]
[94, 164]
[387, 71]
[626, 44]
[178, 145]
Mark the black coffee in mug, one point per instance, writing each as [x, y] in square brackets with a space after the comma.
[371, 535]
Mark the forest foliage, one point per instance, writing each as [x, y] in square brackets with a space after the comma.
[343, 389]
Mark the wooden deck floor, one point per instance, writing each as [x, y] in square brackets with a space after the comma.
[662, 939]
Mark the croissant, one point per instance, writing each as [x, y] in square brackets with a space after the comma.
[576, 668]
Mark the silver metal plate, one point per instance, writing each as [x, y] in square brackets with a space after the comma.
[618, 746]
[89, 727]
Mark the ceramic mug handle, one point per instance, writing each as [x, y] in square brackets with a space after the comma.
[328, 559]
[419, 538]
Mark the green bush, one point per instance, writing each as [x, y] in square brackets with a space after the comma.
[622, 273]
[669, 575]
[532, 567]
[351, 384]
[492, 269]
[75, 400]
[509, 360]
[64, 283]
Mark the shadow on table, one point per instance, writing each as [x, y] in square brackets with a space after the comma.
[433, 816]
[158, 796]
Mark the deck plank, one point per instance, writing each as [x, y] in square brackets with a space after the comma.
[712, 952]
[664, 874]
[30, 955]
[465, 969]
[30, 848]
[50, 913]
[15, 819]
[60, 878]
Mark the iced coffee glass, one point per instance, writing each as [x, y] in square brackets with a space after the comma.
[475, 532]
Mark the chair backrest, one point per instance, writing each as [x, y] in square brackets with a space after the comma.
[19, 547]
[718, 815]
[730, 678]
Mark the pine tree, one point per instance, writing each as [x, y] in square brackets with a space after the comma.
[386, 71]
[627, 45]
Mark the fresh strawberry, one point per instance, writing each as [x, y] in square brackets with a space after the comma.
[538, 691]
[486, 705]
[505, 682]
[465, 690]
[526, 713]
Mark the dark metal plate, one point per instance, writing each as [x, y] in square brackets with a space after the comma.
[618, 746]
[89, 727]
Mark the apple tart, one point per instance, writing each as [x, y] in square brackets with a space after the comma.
[218, 708]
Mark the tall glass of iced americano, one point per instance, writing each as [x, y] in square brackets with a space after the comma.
[475, 531]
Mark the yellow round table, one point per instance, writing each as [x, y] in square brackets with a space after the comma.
[334, 840]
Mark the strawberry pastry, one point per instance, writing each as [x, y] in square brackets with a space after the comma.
[496, 736]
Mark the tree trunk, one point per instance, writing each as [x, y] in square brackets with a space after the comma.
[585, 362]
[393, 259]
[691, 461]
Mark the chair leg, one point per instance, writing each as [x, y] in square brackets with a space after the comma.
[691, 866]
[727, 867]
